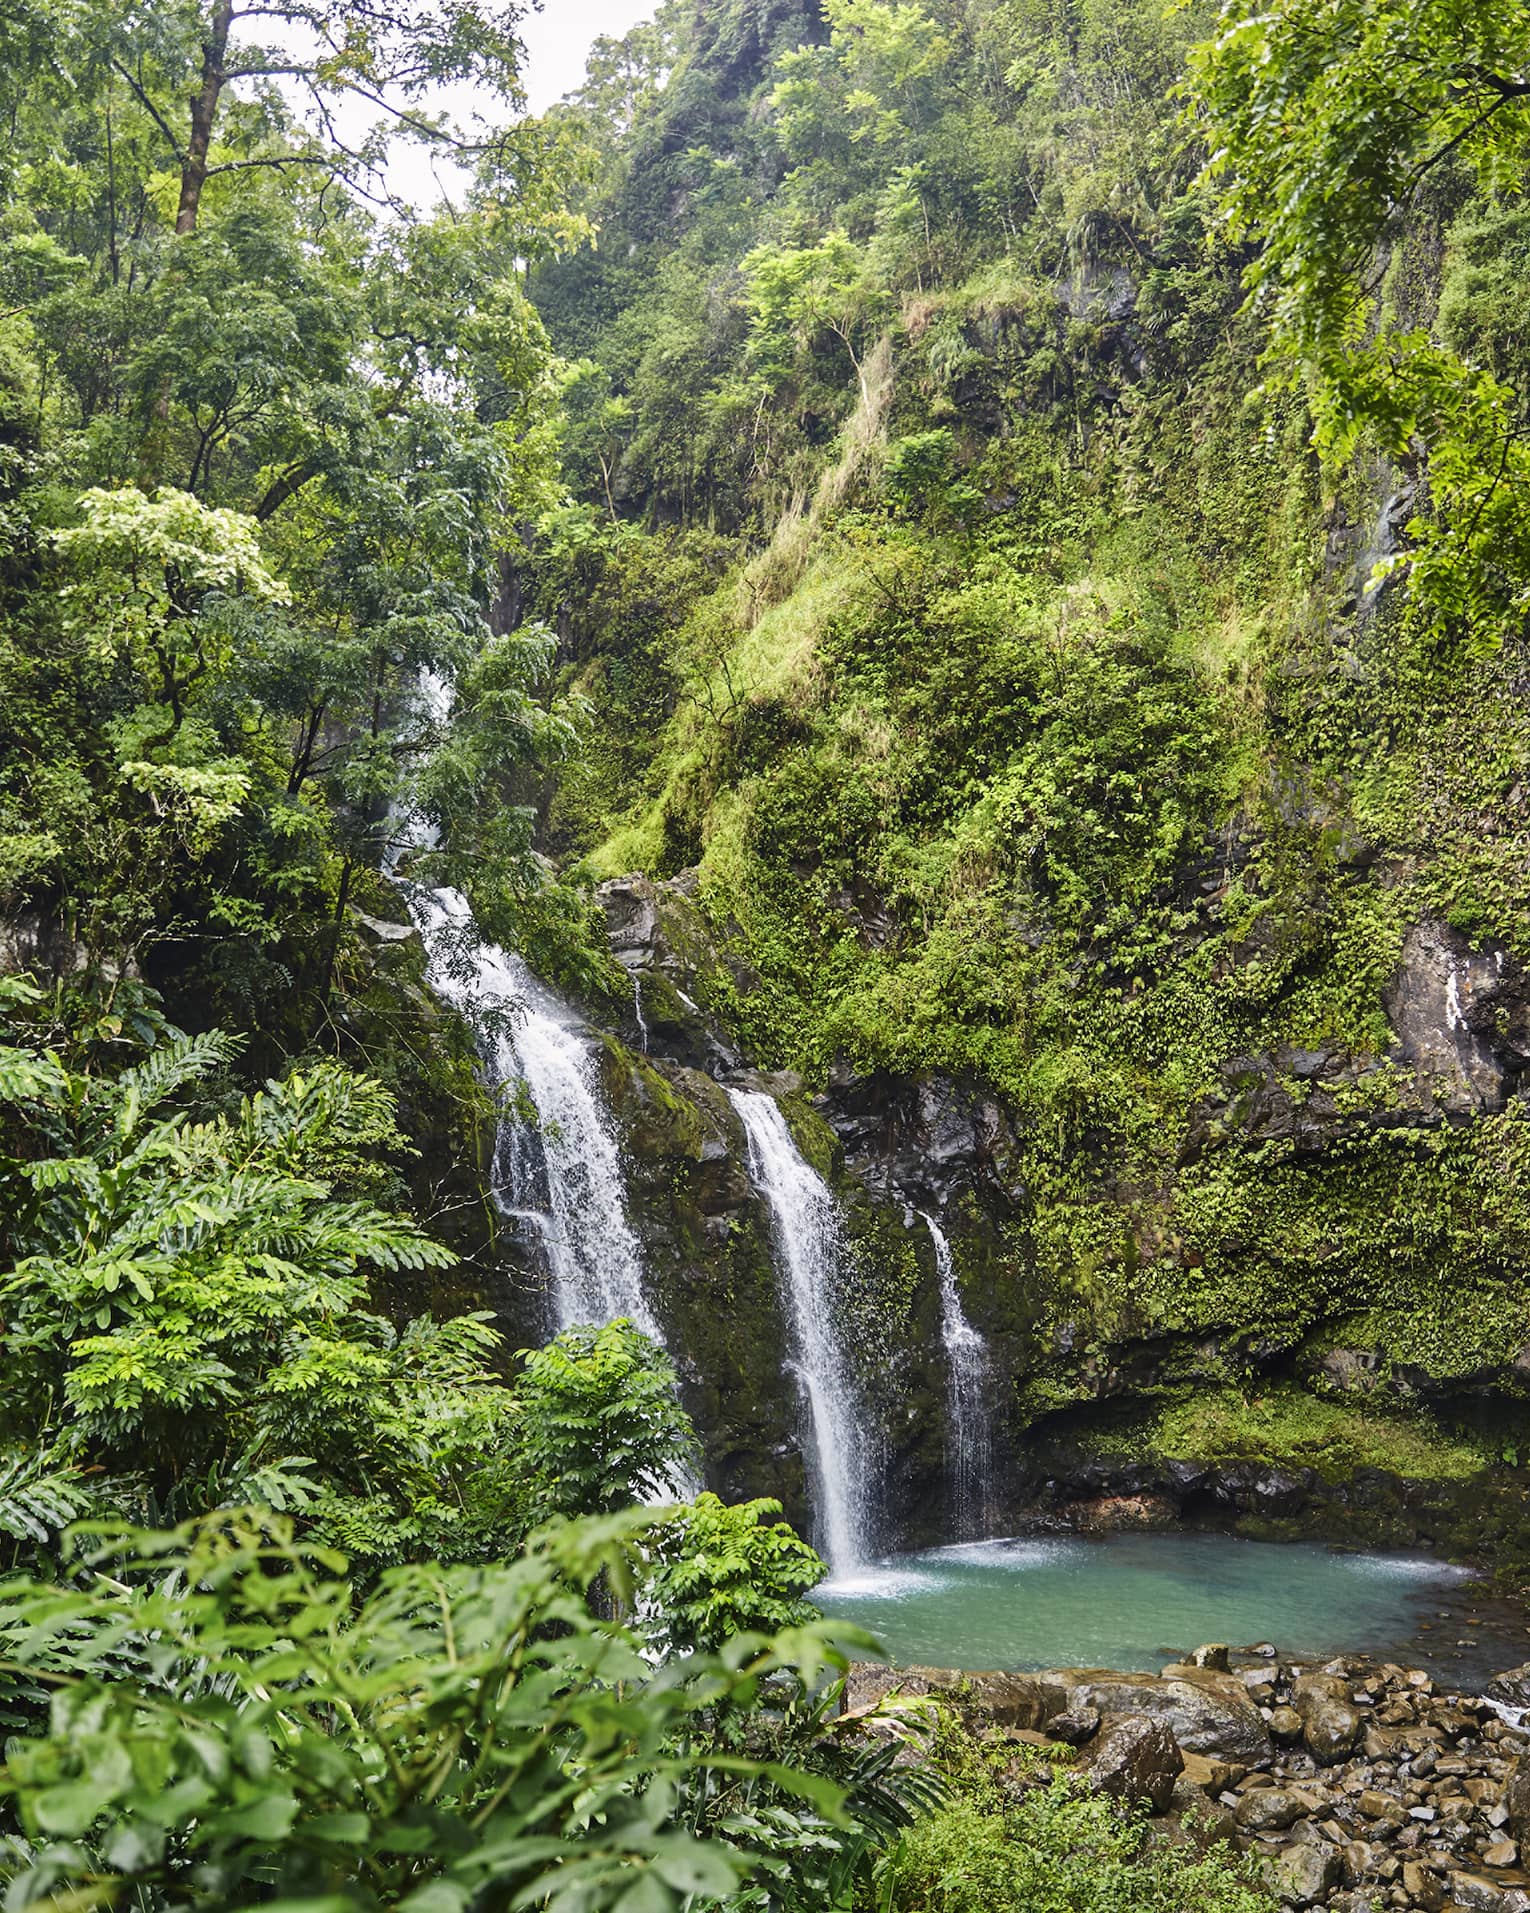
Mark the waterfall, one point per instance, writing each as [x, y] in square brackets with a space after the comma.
[969, 1436]
[637, 1005]
[563, 1177]
[805, 1223]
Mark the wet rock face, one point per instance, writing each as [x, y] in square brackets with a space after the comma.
[711, 1269]
[1462, 1019]
[923, 1141]
[1461, 1024]
[899, 1149]
[660, 939]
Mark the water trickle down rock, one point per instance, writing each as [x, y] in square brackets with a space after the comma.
[806, 1228]
[1462, 1019]
[969, 1431]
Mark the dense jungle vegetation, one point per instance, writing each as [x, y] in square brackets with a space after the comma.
[1026, 500]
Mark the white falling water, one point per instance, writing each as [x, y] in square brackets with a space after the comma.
[564, 1177]
[806, 1226]
[969, 1436]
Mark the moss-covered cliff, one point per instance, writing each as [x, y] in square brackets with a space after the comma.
[993, 682]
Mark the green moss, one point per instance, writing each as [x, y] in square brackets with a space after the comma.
[1288, 1425]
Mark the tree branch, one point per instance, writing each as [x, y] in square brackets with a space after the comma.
[152, 110]
[287, 159]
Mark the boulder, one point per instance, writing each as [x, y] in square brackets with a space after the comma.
[1076, 1726]
[1007, 1700]
[1209, 1774]
[1206, 1712]
[1213, 1655]
[1301, 1875]
[1516, 1800]
[1511, 1688]
[1015, 1700]
[1472, 1892]
[1332, 1725]
[1272, 1809]
[1136, 1759]
[1207, 1822]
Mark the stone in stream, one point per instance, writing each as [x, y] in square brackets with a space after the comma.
[1214, 1655]
[1511, 1688]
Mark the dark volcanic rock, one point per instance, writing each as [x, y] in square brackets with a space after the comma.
[1207, 1712]
[1462, 1019]
[1331, 1723]
[1136, 1759]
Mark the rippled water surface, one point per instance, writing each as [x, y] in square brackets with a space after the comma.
[1138, 1601]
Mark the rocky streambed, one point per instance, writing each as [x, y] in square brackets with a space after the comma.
[1359, 1785]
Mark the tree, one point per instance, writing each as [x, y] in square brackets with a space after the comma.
[387, 55]
[798, 293]
[600, 1425]
[1327, 123]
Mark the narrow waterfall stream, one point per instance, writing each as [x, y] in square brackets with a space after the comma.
[563, 1177]
[805, 1223]
[969, 1433]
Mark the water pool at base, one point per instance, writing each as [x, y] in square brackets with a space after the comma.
[1138, 1601]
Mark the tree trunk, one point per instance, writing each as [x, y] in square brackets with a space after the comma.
[204, 114]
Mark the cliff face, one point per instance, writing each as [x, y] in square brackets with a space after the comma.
[1026, 768]
[1286, 1421]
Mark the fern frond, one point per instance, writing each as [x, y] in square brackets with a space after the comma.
[38, 1499]
[183, 1060]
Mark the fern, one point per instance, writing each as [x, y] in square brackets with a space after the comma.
[185, 1059]
[38, 1498]
[26, 1077]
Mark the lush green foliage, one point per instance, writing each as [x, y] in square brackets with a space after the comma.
[599, 1422]
[233, 1712]
[1330, 124]
[719, 1571]
[229, 1725]
[263, 454]
[1044, 732]
[1017, 1840]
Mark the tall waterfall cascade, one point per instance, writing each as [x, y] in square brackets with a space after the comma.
[809, 1255]
[969, 1431]
[563, 1177]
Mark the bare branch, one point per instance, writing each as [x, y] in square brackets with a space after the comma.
[152, 110]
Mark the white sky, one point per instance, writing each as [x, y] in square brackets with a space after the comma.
[559, 38]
